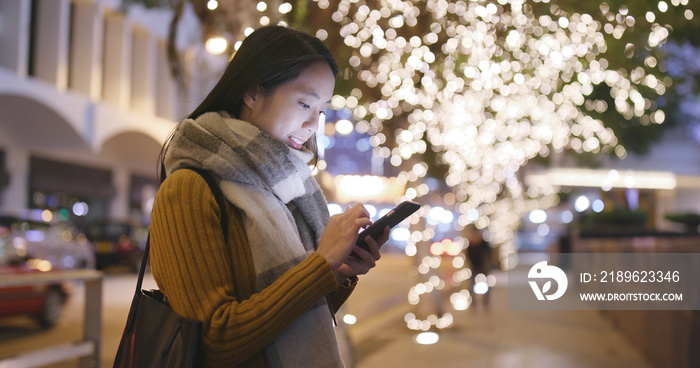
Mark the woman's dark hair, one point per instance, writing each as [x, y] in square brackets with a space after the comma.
[268, 58]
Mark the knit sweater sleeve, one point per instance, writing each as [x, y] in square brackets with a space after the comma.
[208, 282]
[341, 295]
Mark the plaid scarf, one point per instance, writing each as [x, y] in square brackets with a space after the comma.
[283, 212]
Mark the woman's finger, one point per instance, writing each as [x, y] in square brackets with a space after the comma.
[373, 248]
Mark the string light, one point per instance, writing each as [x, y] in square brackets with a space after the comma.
[216, 45]
[285, 8]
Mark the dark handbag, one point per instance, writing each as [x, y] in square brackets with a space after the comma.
[156, 336]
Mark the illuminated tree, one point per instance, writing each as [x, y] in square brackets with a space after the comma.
[491, 85]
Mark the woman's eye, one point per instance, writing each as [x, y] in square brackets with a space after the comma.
[304, 106]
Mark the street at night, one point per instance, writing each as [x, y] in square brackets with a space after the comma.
[480, 337]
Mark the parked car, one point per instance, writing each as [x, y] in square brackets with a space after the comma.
[59, 243]
[117, 243]
[44, 303]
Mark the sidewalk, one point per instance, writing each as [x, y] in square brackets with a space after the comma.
[480, 338]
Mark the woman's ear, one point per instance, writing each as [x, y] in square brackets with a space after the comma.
[250, 98]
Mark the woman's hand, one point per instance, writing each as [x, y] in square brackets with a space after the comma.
[339, 236]
[362, 260]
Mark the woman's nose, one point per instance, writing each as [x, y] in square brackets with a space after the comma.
[311, 122]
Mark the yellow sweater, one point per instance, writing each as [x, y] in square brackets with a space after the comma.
[205, 281]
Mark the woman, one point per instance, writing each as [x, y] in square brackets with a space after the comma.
[266, 295]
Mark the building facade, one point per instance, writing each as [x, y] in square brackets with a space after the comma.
[86, 101]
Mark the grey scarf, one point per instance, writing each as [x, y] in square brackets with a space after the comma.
[283, 212]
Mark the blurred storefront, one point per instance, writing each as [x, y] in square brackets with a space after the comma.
[54, 185]
[638, 195]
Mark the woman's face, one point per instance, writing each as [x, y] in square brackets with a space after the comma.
[291, 113]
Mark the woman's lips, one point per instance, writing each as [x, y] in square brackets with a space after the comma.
[295, 142]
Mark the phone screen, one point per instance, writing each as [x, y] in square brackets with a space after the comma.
[391, 219]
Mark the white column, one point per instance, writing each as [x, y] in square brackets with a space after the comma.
[167, 90]
[14, 35]
[195, 94]
[51, 28]
[86, 48]
[202, 72]
[143, 73]
[16, 195]
[119, 208]
[116, 76]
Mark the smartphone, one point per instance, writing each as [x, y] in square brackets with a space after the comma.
[391, 219]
